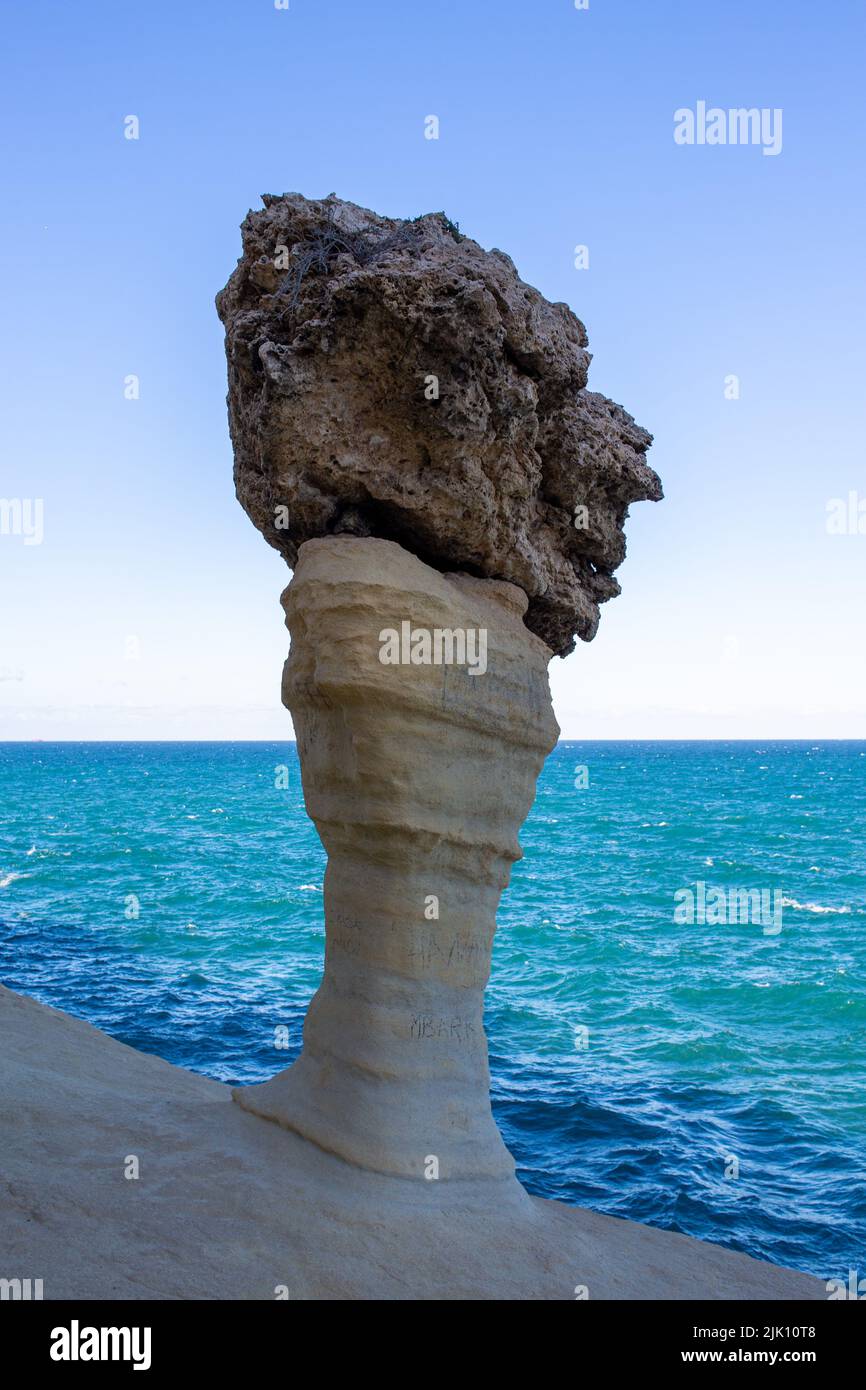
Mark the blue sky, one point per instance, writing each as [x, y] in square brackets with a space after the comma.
[740, 615]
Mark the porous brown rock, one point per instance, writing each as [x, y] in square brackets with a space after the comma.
[393, 379]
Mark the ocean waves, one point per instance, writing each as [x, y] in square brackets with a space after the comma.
[708, 1077]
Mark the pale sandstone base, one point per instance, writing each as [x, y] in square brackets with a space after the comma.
[229, 1206]
[418, 779]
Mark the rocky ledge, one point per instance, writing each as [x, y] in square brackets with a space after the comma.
[230, 1206]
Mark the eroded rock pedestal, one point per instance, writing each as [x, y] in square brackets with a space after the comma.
[418, 778]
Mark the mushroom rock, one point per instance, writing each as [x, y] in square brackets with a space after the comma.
[436, 571]
[412, 431]
[391, 378]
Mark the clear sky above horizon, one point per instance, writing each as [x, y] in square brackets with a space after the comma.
[150, 609]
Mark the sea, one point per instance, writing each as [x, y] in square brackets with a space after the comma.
[677, 1007]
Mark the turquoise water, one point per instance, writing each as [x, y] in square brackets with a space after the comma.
[705, 1042]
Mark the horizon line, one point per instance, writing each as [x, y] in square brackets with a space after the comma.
[204, 742]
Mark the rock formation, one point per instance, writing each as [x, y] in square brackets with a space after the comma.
[423, 715]
[232, 1207]
[393, 379]
[418, 777]
[412, 430]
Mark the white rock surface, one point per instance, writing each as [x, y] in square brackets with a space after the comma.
[230, 1206]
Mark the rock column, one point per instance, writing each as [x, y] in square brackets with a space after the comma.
[418, 773]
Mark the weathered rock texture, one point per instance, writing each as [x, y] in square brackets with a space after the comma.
[418, 778]
[336, 322]
[231, 1207]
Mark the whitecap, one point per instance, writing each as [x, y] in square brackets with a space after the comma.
[811, 907]
[10, 878]
[309, 888]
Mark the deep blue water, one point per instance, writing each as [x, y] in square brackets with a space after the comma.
[706, 1042]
